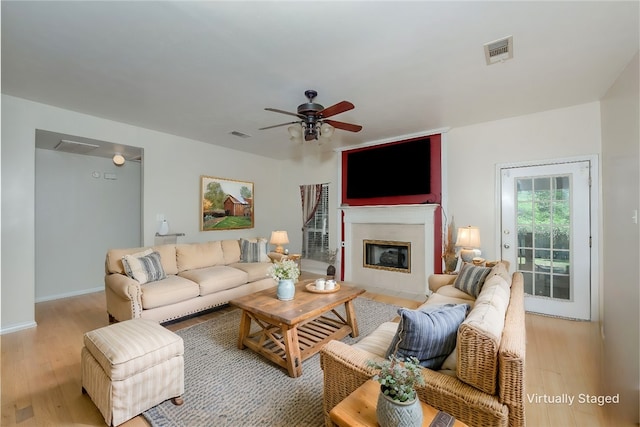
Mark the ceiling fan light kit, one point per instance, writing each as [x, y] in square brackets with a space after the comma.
[313, 122]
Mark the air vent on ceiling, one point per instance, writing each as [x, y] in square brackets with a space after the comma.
[239, 134]
[75, 147]
[498, 50]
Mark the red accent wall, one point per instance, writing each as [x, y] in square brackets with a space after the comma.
[434, 197]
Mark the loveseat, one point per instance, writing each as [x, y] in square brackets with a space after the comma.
[481, 382]
[167, 282]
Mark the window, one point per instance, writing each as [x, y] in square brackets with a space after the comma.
[315, 234]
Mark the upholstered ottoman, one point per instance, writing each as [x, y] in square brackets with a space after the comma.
[131, 366]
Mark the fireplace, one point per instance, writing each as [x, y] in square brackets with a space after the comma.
[410, 226]
[387, 255]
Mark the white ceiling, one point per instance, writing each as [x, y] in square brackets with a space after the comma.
[203, 69]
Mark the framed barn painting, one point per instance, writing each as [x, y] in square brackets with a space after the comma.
[225, 204]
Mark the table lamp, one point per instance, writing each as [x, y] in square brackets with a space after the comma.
[279, 238]
[469, 241]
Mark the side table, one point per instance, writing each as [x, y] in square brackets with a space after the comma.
[277, 257]
[359, 410]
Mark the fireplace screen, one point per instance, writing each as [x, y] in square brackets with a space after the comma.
[387, 255]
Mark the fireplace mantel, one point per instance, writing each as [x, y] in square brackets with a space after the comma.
[383, 222]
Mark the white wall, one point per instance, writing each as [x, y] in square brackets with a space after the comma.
[474, 151]
[172, 170]
[621, 244]
[86, 214]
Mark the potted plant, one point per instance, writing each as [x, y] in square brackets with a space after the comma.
[286, 272]
[398, 405]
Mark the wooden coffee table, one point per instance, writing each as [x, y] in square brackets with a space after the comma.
[292, 331]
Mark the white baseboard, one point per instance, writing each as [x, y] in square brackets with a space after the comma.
[69, 294]
[17, 327]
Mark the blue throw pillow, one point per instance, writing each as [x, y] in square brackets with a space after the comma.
[429, 333]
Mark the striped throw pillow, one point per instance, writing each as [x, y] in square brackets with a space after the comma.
[471, 278]
[143, 269]
[429, 333]
[254, 250]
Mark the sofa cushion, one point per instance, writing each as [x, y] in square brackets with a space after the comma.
[231, 251]
[480, 334]
[199, 255]
[501, 269]
[217, 278]
[453, 292]
[254, 250]
[167, 291]
[377, 342]
[113, 262]
[144, 268]
[254, 270]
[168, 257]
[471, 278]
[428, 333]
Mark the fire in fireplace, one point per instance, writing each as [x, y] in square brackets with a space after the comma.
[387, 255]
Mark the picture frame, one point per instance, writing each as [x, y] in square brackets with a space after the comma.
[225, 204]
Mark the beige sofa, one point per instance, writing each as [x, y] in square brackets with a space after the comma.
[199, 276]
[481, 383]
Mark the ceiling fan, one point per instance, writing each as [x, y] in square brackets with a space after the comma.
[313, 122]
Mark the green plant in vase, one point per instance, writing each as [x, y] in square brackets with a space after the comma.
[398, 404]
[398, 378]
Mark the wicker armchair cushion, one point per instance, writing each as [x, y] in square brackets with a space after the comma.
[429, 333]
[480, 334]
[377, 342]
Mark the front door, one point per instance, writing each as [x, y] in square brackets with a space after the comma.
[546, 235]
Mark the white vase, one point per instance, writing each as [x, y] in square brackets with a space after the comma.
[286, 289]
[391, 413]
[164, 228]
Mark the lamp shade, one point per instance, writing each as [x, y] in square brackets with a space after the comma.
[279, 238]
[468, 237]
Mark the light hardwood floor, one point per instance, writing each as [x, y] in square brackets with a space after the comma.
[41, 366]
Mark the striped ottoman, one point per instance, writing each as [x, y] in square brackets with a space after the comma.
[131, 366]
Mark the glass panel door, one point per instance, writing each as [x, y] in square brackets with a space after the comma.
[546, 235]
[543, 224]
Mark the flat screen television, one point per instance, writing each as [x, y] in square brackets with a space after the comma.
[403, 172]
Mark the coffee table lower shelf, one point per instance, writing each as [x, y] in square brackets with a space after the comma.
[301, 341]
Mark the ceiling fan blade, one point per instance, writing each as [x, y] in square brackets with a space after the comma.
[344, 126]
[275, 126]
[338, 108]
[275, 110]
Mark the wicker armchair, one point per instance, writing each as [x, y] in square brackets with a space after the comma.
[345, 369]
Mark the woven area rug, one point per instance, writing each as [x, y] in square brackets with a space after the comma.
[225, 386]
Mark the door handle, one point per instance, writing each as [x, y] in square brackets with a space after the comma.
[506, 246]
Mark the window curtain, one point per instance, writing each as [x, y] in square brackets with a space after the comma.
[310, 196]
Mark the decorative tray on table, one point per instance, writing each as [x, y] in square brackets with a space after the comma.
[311, 287]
